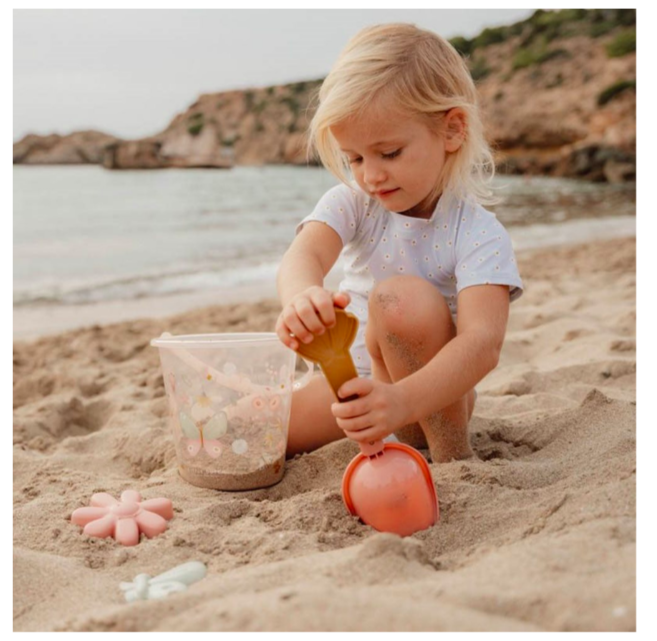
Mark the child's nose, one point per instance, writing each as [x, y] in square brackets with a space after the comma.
[374, 174]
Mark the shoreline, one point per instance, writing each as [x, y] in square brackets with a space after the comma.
[29, 321]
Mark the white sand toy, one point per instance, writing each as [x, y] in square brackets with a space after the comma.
[145, 587]
[230, 397]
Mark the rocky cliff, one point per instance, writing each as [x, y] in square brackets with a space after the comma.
[558, 91]
[81, 147]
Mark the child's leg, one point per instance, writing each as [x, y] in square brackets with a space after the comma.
[312, 423]
[408, 324]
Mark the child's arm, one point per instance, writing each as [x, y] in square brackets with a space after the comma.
[307, 306]
[483, 312]
[307, 260]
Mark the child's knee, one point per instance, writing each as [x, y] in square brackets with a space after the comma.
[408, 305]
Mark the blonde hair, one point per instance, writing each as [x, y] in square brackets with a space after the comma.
[424, 76]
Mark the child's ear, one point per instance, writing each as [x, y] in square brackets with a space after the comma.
[455, 127]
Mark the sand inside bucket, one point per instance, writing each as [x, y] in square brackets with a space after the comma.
[264, 476]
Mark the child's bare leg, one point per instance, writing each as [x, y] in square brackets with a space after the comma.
[408, 324]
[312, 423]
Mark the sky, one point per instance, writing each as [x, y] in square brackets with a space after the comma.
[128, 72]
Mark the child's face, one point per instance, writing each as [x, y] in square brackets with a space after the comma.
[395, 158]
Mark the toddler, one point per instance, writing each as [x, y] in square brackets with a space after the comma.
[429, 272]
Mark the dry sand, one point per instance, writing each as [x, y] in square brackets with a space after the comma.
[536, 533]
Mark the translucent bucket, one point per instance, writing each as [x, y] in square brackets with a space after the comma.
[229, 403]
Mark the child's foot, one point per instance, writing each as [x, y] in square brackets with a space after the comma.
[447, 441]
[412, 435]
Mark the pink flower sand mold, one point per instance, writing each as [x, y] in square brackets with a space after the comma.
[124, 520]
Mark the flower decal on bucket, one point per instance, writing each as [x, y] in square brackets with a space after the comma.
[202, 409]
[240, 446]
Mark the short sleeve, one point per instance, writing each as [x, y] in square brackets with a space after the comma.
[484, 253]
[339, 208]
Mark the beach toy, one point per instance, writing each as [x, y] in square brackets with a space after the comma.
[125, 519]
[145, 587]
[387, 485]
[229, 406]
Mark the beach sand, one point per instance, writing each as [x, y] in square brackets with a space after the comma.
[538, 532]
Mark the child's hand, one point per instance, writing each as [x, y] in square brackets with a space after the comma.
[381, 410]
[309, 313]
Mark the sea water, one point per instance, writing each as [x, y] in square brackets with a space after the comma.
[93, 245]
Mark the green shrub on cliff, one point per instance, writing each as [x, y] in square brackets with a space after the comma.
[230, 141]
[546, 26]
[601, 28]
[613, 17]
[249, 97]
[195, 124]
[605, 20]
[536, 56]
[549, 25]
[614, 90]
[523, 58]
[546, 19]
[490, 37]
[298, 87]
[260, 107]
[462, 45]
[292, 103]
[479, 69]
[487, 37]
[622, 44]
[552, 54]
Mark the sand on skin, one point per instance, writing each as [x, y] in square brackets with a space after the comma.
[536, 533]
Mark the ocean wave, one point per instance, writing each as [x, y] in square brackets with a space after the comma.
[145, 286]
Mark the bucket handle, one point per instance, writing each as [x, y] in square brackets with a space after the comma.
[305, 379]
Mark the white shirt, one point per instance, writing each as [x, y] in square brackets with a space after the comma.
[460, 245]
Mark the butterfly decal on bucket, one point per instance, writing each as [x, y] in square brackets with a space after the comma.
[203, 436]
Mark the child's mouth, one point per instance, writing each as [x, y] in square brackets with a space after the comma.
[385, 194]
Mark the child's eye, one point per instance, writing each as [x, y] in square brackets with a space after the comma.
[354, 160]
[392, 154]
